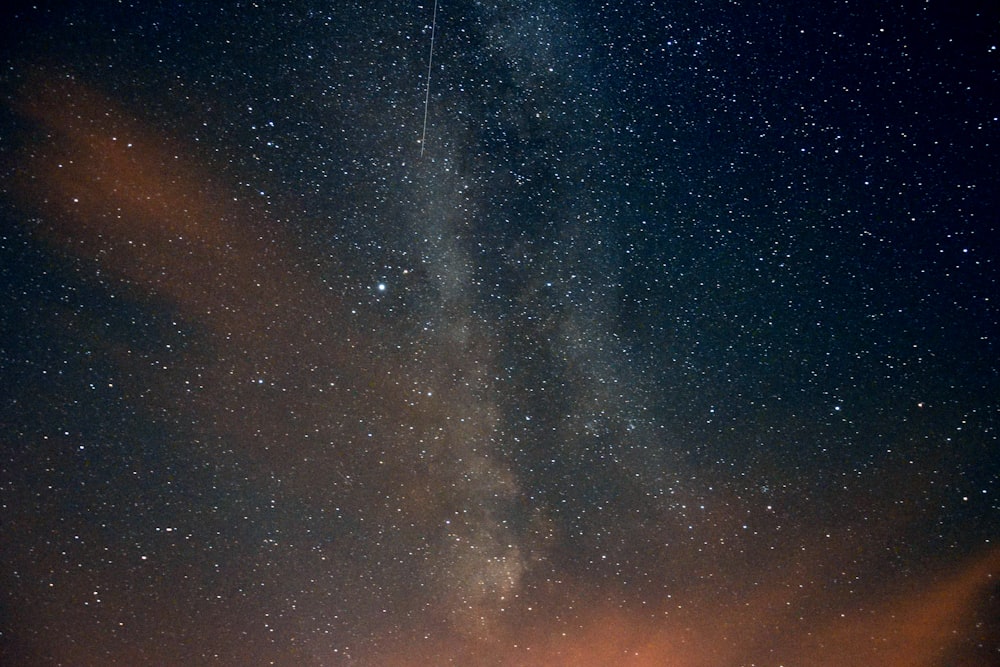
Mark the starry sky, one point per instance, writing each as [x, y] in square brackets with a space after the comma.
[673, 340]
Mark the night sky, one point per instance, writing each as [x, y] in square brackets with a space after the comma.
[675, 342]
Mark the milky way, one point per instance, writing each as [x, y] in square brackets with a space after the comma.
[644, 335]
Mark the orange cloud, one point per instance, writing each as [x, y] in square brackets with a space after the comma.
[919, 627]
[110, 189]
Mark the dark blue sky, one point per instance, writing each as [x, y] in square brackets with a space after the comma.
[677, 345]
